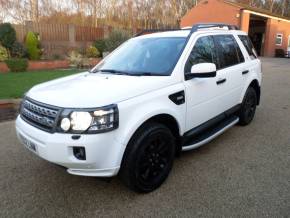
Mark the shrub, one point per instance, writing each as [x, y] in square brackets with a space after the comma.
[3, 53]
[100, 45]
[18, 51]
[56, 56]
[17, 64]
[116, 38]
[7, 35]
[76, 59]
[92, 52]
[32, 44]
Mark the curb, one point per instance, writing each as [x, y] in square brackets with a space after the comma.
[8, 103]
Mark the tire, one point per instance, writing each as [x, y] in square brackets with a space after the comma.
[148, 158]
[248, 108]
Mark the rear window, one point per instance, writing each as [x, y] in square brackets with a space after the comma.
[229, 51]
[249, 46]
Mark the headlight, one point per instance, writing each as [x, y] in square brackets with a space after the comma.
[90, 120]
[80, 121]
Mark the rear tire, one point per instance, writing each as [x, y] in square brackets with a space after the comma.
[148, 158]
[248, 108]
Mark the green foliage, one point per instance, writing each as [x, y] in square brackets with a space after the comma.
[92, 52]
[56, 56]
[17, 64]
[116, 38]
[100, 45]
[18, 51]
[76, 59]
[32, 44]
[7, 35]
[3, 53]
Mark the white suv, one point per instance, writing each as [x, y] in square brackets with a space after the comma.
[156, 95]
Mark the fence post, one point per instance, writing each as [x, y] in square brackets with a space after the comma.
[72, 35]
[106, 31]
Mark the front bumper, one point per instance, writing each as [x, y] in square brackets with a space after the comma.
[103, 152]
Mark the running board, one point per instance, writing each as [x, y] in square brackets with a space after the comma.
[211, 134]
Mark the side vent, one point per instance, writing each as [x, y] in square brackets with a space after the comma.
[178, 97]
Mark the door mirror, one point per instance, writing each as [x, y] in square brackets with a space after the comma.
[203, 70]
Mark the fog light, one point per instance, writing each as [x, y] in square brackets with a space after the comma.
[79, 153]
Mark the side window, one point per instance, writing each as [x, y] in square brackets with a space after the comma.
[249, 46]
[202, 52]
[229, 51]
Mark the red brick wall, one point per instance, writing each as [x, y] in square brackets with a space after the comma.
[214, 11]
[46, 65]
[274, 27]
[3, 67]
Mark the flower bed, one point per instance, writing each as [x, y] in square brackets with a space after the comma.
[47, 65]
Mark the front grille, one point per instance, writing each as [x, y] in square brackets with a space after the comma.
[39, 115]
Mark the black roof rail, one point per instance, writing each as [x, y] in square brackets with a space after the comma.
[212, 25]
[192, 29]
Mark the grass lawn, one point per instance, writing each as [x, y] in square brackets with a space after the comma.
[14, 85]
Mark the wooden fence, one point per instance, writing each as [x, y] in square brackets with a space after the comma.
[58, 39]
[60, 32]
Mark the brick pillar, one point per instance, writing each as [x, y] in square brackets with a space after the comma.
[29, 26]
[269, 43]
[72, 35]
[245, 21]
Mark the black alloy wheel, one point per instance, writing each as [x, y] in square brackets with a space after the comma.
[248, 108]
[148, 158]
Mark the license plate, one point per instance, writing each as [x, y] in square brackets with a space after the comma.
[28, 144]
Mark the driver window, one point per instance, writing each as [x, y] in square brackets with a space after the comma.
[202, 52]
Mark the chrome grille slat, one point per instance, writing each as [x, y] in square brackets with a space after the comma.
[39, 119]
[39, 109]
[39, 115]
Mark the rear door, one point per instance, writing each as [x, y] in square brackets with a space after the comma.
[231, 65]
[252, 64]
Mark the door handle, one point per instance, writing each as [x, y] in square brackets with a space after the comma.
[220, 81]
[245, 72]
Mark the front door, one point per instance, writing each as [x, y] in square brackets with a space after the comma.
[202, 94]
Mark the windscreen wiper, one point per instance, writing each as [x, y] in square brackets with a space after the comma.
[149, 74]
[118, 72]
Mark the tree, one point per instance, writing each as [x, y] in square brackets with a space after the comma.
[7, 35]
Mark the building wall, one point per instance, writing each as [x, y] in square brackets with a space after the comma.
[214, 11]
[217, 11]
[273, 28]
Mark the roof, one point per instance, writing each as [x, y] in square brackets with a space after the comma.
[254, 9]
[166, 33]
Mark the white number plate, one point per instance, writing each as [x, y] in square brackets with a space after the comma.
[28, 144]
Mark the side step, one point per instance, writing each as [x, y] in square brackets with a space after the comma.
[210, 134]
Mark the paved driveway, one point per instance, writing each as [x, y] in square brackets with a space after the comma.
[244, 172]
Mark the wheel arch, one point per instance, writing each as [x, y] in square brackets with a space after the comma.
[256, 86]
[163, 118]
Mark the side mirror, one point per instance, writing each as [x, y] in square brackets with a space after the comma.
[203, 70]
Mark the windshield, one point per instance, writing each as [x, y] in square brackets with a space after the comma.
[144, 56]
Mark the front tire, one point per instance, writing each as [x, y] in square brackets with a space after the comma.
[148, 158]
[248, 108]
